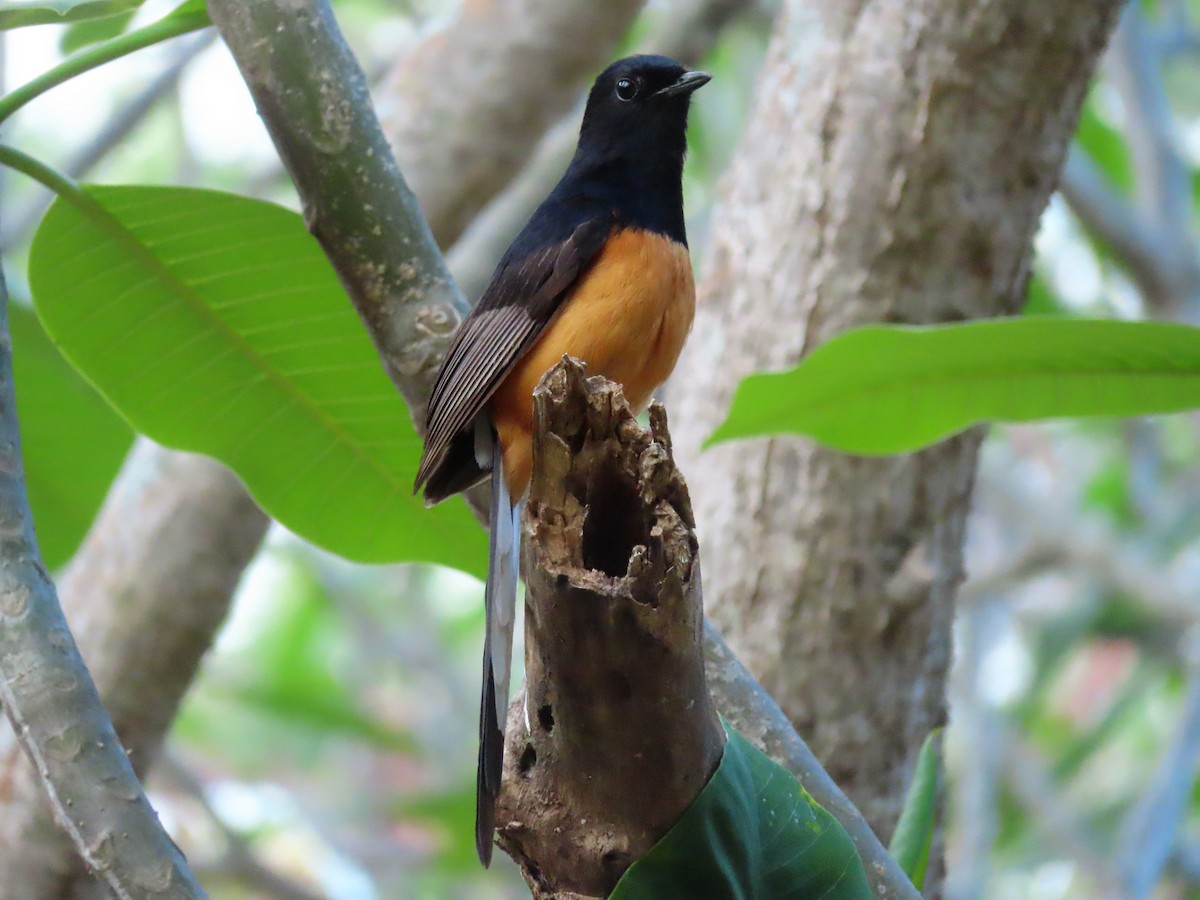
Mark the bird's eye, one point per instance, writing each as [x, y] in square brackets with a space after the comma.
[627, 89]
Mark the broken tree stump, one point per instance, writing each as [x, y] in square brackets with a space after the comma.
[616, 733]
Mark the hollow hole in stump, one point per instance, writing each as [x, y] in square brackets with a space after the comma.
[614, 863]
[619, 686]
[527, 760]
[546, 718]
[613, 524]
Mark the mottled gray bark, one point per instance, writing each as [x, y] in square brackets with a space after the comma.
[894, 169]
[79, 774]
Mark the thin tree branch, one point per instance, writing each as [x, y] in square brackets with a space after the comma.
[55, 709]
[753, 712]
[1163, 184]
[1057, 539]
[313, 98]
[112, 133]
[1116, 221]
[1033, 784]
[1149, 831]
[145, 594]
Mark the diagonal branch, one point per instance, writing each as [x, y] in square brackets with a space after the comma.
[1156, 238]
[1149, 832]
[55, 709]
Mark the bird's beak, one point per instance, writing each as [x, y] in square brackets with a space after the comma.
[686, 83]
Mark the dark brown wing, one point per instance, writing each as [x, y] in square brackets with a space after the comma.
[515, 309]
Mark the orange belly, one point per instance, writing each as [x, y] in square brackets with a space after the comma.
[626, 319]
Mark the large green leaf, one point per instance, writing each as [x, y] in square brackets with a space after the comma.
[214, 323]
[753, 833]
[918, 820]
[882, 389]
[19, 13]
[72, 442]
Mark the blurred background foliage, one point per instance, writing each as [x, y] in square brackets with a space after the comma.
[327, 750]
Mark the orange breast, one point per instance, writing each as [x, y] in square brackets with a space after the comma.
[627, 318]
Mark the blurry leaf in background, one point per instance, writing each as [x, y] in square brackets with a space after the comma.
[288, 669]
[451, 814]
[1041, 300]
[880, 390]
[295, 663]
[918, 820]
[19, 13]
[753, 832]
[73, 442]
[1109, 490]
[215, 324]
[1105, 145]
[92, 31]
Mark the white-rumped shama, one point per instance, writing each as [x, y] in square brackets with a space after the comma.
[600, 272]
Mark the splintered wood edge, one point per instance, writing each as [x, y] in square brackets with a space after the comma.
[576, 418]
[613, 645]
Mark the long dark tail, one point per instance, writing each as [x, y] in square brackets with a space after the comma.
[500, 599]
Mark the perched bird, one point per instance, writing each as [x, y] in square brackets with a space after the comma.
[600, 272]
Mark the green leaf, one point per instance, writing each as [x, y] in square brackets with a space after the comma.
[93, 31]
[1105, 145]
[882, 389]
[1041, 299]
[753, 833]
[72, 442]
[19, 13]
[214, 323]
[918, 820]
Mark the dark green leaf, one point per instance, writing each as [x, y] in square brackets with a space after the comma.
[72, 442]
[879, 389]
[19, 13]
[214, 323]
[753, 833]
[918, 820]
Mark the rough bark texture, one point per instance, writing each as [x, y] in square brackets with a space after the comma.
[188, 549]
[465, 110]
[894, 169]
[613, 653]
[313, 98]
[73, 767]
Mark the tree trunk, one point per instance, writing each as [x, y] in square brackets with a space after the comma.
[894, 169]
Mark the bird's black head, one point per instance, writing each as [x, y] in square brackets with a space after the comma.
[637, 112]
